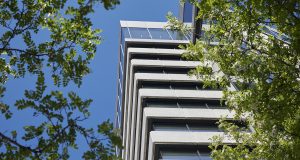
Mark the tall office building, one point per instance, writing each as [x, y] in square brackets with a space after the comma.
[162, 112]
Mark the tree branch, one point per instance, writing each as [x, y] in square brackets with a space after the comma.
[14, 142]
[23, 51]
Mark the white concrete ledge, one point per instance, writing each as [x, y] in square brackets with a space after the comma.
[149, 51]
[145, 24]
[183, 137]
[158, 41]
[162, 63]
[165, 77]
[186, 113]
[183, 94]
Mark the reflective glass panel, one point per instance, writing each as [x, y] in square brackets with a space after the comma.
[177, 35]
[139, 33]
[159, 33]
[121, 70]
[170, 104]
[121, 54]
[189, 35]
[190, 154]
[184, 103]
[187, 12]
[196, 128]
[205, 157]
[169, 127]
[125, 33]
[274, 33]
[119, 90]
[120, 94]
[169, 155]
[117, 121]
[285, 38]
[119, 105]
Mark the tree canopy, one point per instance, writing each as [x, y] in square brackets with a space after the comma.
[258, 51]
[64, 57]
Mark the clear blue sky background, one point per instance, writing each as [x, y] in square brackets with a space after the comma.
[101, 84]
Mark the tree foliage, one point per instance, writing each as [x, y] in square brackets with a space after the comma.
[64, 57]
[258, 50]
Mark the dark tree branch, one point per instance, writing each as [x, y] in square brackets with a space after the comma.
[14, 142]
[22, 51]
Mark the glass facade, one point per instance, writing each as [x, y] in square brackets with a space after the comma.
[273, 32]
[183, 103]
[186, 127]
[183, 155]
[139, 33]
[162, 70]
[178, 35]
[159, 33]
[176, 85]
[153, 33]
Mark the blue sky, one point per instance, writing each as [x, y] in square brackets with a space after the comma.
[101, 84]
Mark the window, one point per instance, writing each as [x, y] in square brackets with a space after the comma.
[156, 56]
[124, 34]
[183, 103]
[162, 70]
[159, 33]
[189, 35]
[177, 35]
[175, 85]
[192, 125]
[184, 154]
[169, 127]
[121, 72]
[122, 54]
[186, 125]
[169, 155]
[120, 97]
[139, 33]
[270, 31]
